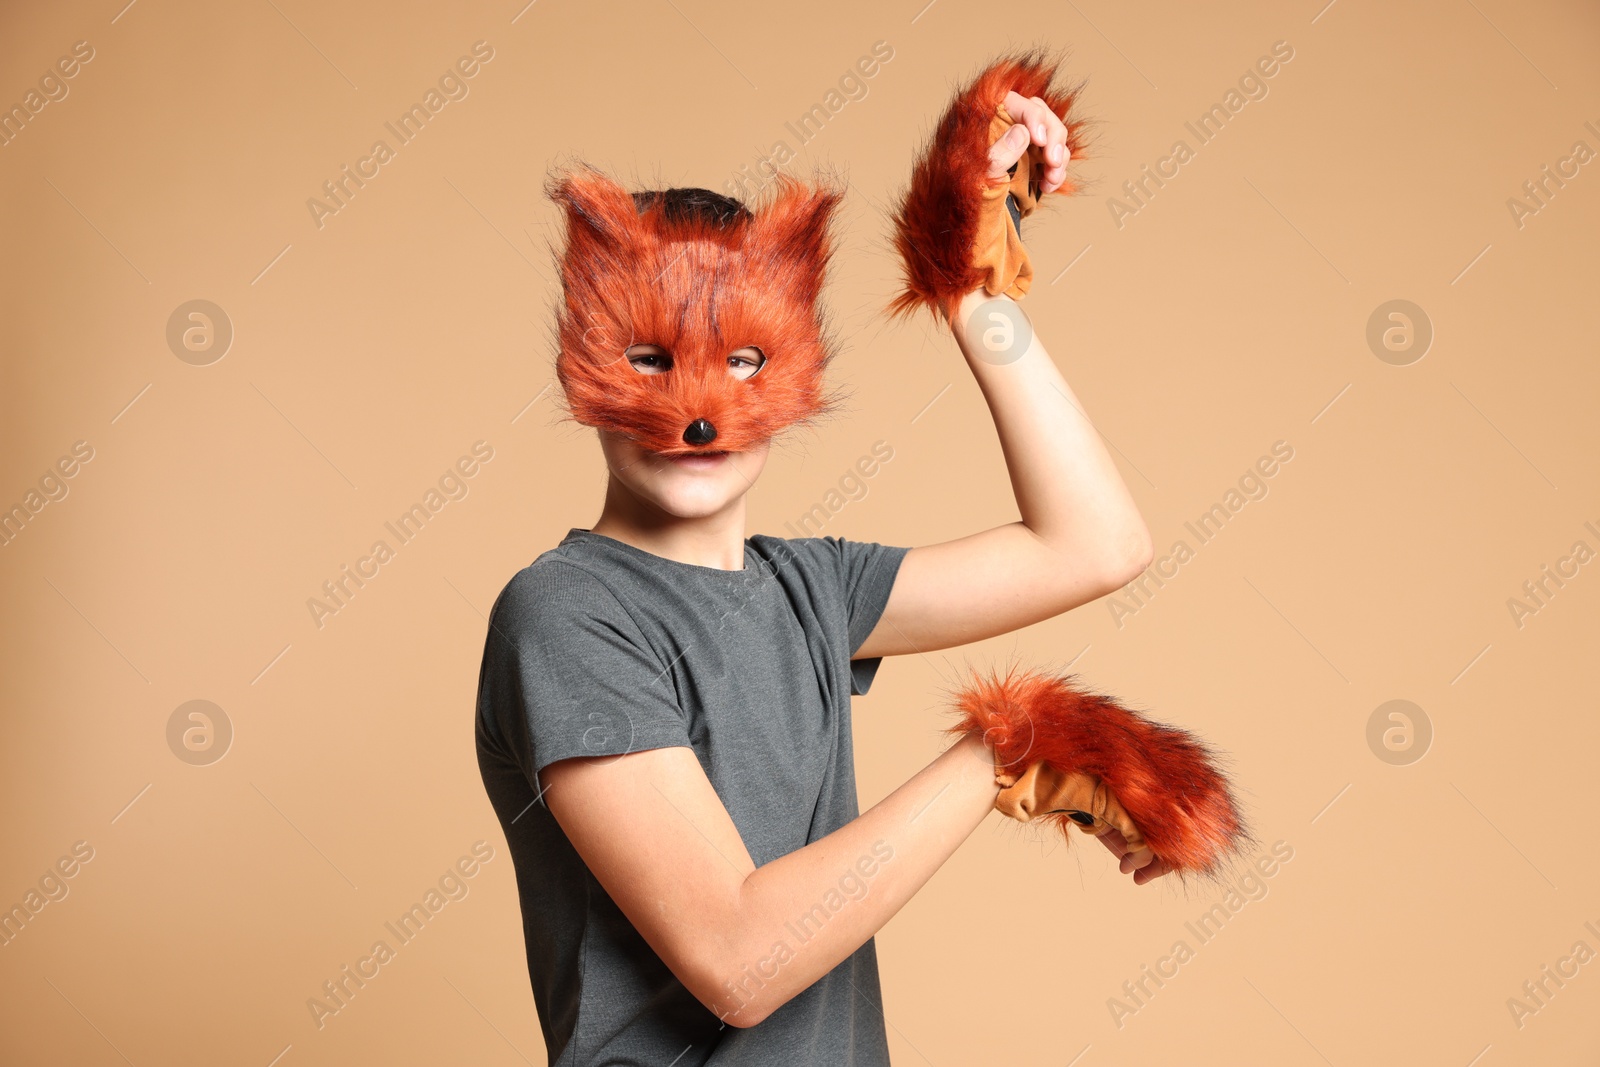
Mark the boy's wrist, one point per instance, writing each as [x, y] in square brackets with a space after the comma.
[977, 756]
[991, 330]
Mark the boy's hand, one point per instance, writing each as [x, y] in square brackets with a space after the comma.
[1035, 128]
[1002, 144]
[1144, 864]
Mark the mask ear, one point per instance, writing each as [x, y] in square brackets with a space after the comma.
[602, 221]
[599, 262]
[791, 239]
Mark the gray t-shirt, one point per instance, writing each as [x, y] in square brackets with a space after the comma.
[599, 648]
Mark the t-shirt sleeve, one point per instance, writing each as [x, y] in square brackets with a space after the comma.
[568, 673]
[867, 571]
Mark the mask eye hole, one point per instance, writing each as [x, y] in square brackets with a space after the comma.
[648, 359]
[746, 362]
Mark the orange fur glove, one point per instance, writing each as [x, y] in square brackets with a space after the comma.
[1046, 790]
[997, 251]
[1071, 756]
[956, 230]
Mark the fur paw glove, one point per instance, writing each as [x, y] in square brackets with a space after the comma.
[1046, 790]
[1071, 756]
[956, 230]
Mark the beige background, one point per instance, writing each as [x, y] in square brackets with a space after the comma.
[1227, 314]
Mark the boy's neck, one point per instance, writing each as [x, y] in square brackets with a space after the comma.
[715, 540]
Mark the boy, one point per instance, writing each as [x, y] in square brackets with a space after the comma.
[664, 709]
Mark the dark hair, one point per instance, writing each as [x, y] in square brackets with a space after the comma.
[700, 205]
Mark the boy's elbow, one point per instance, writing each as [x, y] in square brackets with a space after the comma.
[746, 1018]
[1135, 555]
[728, 990]
[1140, 554]
[732, 1006]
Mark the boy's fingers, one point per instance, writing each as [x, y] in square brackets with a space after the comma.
[1114, 841]
[1006, 151]
[1134, 861]
[1145, 865]
[1055, 129]
[1045, 129]
[1032, 112]
[1151, 873]
[1055, 146]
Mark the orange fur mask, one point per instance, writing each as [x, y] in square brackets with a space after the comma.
[636, 271]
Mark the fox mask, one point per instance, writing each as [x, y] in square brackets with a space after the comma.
[634, 272]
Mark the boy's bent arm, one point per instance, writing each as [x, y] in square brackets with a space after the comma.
[1080, 535]
[745, 939]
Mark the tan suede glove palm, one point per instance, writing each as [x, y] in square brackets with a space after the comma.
[1042, 789]
[998, 251]
[954, 230]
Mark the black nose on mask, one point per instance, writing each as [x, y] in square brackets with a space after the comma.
[700, 432]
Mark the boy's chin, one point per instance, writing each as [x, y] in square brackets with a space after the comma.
[697, 487]
[688, 502]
